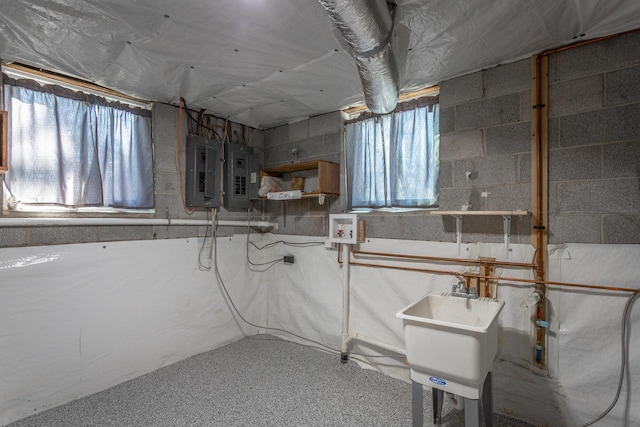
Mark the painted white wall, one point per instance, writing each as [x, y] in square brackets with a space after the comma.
[76, 319]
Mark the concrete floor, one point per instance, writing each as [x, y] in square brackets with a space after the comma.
[260, 381]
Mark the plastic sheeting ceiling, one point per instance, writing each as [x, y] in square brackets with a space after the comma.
[268, 62]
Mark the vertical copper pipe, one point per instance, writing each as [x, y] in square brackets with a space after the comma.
[539, 196]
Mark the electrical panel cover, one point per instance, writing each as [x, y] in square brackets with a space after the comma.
[202, 183]
[242, 171]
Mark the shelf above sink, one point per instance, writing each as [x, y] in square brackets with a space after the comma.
[506, 222]
[481, 213]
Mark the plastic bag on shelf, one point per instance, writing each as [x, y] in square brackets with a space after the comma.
[270, 184]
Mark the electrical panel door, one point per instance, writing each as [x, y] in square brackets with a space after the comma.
[254, 175]
[240, 176]
[202, 184]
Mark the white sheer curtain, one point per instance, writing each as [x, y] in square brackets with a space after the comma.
[393, 160]
[76, 150]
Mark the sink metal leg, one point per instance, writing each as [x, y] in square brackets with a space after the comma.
[487, 400]
[416, 404]
[471, 412]
[438, 401]
[471, 406]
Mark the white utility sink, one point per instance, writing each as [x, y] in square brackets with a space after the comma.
[451, 341]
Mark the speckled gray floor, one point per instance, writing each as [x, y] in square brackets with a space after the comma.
[258, 381]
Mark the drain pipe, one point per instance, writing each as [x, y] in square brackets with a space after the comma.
[346, 292]
[379, 344]
[344, 350]
[75, 222]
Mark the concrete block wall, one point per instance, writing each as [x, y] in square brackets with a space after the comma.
[594, 158]
[168, 199]
[594, 140]
[317, 138]
[167, 174]
[485, 147]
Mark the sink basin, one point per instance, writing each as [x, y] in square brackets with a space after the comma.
[451, 341]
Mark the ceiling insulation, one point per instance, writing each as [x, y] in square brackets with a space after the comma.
[268, 62]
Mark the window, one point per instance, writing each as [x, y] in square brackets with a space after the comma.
[72, 150]
[392, 160]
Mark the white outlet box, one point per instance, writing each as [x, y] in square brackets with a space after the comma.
[343, 228]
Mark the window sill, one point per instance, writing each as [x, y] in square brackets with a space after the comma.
[386, 211]
[61, 212]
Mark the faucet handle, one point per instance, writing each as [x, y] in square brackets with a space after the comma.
[457, 287]
[460, 287]
[473, 292]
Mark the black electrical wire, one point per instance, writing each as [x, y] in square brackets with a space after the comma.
[623, 362]
[261, 264]
[320, 345]
[268, 263]
[235, 309]
[298, 245]
[183, 102]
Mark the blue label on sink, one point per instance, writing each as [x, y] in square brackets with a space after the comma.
[437, 380]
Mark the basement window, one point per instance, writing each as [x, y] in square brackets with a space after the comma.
[72, 149]
[392, 159]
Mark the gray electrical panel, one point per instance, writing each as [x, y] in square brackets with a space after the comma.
[255, 164]
[241, 176]
[202, 183]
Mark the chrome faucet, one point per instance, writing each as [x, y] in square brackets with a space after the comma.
[460, 290]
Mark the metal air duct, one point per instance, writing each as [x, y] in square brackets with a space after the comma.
[367, 26]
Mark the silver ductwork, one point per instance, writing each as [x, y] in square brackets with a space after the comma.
[367, 27]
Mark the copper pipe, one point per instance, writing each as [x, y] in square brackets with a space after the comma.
[551, 283]
[586, 42]
[496, 278]
[540, 267]
[420, 270]
[458, 260]
[539, 168]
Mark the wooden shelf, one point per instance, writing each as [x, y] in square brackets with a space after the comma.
[328, 176]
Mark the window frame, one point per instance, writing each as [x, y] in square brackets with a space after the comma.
[19, 71]
[409, 101]
[4, 140]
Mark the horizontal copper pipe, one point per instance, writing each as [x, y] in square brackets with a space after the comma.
[585, 42]
[551, 283]
[444, 259]
[512, 279]
[420, 270]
